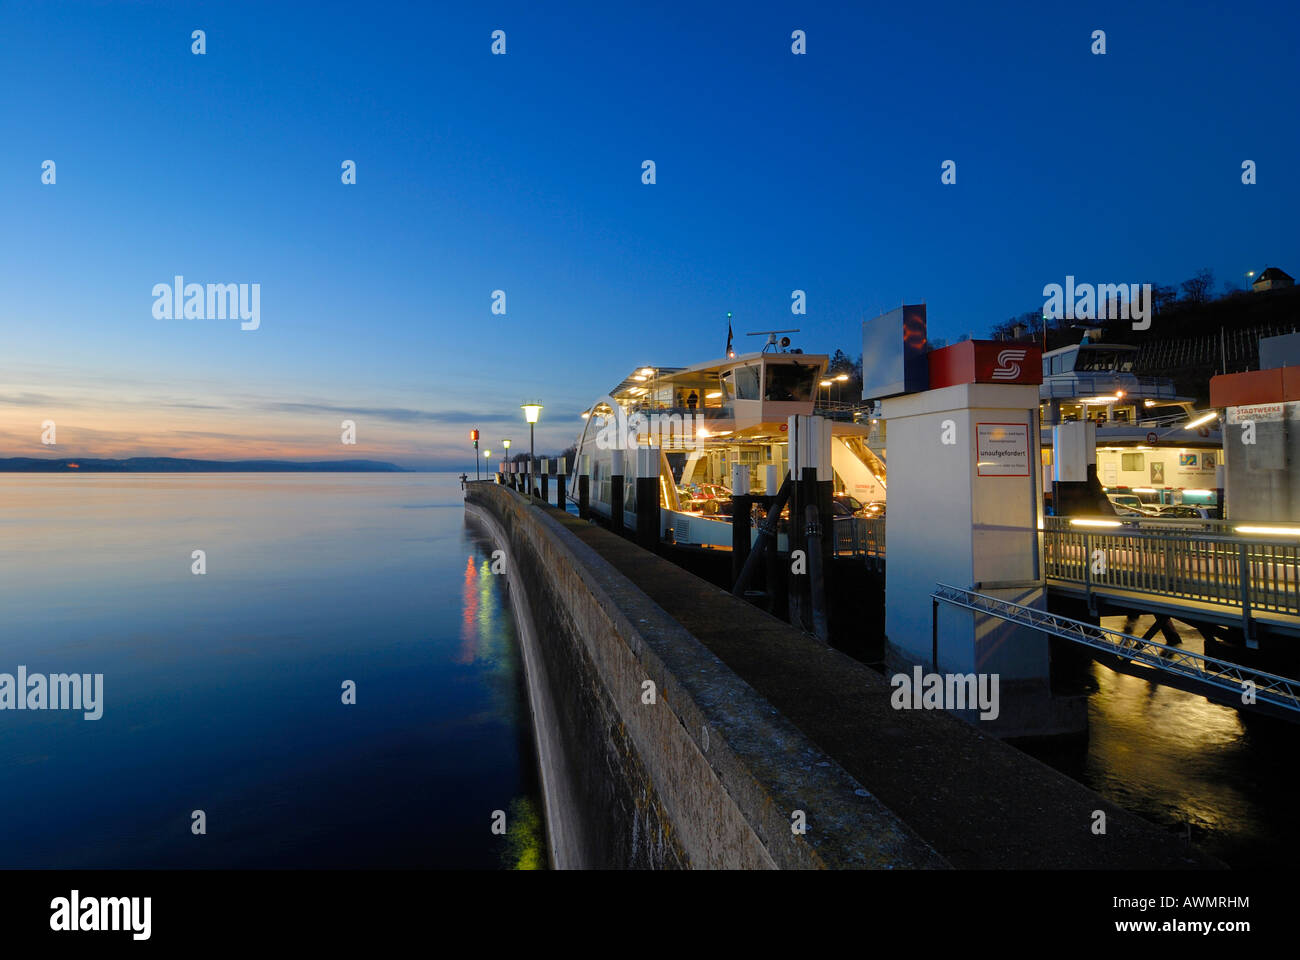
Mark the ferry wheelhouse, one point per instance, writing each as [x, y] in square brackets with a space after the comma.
[702, 421]
[1150, 440]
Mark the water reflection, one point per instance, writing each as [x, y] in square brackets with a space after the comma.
[1193, 767]
[222, 691]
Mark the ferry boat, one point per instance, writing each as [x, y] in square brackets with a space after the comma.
[702, 420]
[1152, 443]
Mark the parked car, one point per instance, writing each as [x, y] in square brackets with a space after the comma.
[1130, 500]
[849, 506]
[1185, 511]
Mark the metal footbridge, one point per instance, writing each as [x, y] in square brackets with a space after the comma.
[1206, 573]
[1198, 672]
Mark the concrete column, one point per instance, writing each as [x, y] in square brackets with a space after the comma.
[964, 509]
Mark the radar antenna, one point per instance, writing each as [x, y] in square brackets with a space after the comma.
[771, 338]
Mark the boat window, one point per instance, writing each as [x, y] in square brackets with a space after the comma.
[1067, 361]
[1104, 361]
[789, 382]
[747, 378]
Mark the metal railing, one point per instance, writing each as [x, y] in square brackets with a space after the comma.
[1207, 525]
[1066, 386]
[861, 537]
[1268, 688]
[1202, 566]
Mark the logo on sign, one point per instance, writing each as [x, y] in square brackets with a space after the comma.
[1008, 367]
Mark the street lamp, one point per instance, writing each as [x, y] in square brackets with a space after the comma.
[531, 412]
[827, 385]
[842, 378]
[506, 444]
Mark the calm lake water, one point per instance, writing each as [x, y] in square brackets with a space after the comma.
[1198, 769]
[223, 692]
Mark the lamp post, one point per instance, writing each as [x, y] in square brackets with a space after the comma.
[531, 412]
[842, 378]
[473, 435]
[827, 385]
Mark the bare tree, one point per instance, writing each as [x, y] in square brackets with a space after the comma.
[1162, 295]
[1197, 289]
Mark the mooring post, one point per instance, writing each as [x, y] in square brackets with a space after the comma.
[584, 486]
[766, 539]
[616, 491]
[740, 519]
[546, 480]
[801, 446]
[825, 488]
[816, 583]
[647, 497]
[559, 483]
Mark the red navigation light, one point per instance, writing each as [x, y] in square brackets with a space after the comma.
[473, 435]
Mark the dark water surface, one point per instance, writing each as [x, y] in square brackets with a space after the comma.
[223, 692]
[1199, 770]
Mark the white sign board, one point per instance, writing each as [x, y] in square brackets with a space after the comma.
[1002, 449]
[1256, 412]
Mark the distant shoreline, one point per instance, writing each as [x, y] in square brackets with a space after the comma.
[182, 465]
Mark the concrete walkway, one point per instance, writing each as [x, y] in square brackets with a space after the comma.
[977, 801]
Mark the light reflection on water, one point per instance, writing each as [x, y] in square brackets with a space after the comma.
[222, 692]
[1189, 765]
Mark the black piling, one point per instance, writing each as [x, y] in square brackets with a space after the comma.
[647, 512]
[616, 503]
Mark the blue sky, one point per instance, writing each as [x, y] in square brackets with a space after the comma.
[522, 172]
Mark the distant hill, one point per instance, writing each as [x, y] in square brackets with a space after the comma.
[179, 465]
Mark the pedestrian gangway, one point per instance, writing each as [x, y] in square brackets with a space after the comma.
[1194, 669]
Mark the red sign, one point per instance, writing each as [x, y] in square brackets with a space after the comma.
[985, 361]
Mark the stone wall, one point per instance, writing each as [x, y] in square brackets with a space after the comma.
[709, 775]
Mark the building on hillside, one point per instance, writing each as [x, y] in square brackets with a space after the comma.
[1272, 278]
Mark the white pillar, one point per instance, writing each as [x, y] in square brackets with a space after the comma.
[739, 479]
[964, 509]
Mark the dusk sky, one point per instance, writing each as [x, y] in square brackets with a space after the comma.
[522, 172]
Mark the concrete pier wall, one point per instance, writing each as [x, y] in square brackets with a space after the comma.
[709, 775]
